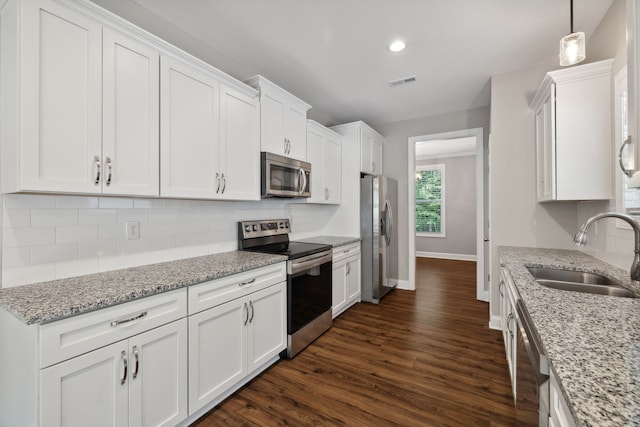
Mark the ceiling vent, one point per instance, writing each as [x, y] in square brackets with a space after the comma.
[402, 81]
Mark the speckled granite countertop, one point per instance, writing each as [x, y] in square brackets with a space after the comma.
[592, 341]
[334, 241]
[49, 301]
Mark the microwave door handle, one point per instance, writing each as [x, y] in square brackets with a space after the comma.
[302, 180]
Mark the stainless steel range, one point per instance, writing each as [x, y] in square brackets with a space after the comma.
[309, 273]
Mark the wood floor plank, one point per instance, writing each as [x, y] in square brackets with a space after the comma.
[423, 358]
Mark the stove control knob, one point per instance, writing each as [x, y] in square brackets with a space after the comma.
[282, 225]
[255, 227]
[286, 224]
[247, 228]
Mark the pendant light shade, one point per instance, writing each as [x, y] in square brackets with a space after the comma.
[572, 46]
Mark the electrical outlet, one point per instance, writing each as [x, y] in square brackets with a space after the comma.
[132, 230]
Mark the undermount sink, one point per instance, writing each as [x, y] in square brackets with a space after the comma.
[578, 281]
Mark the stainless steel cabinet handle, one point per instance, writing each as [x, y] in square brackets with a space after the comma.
[501, 287]
[224, 183]
[218, 179]
[348, 268]
[246, 314]
[509, 319]
[136, 356]
[251, 306]
[130, 319]
[285, 145]
[373, 167]
[109, 170]
[123, 357]
[346, 251]
[97, 160]
[247, 283]
[326, 194]
[628, 172]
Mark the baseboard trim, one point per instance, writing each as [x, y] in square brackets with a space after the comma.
[442, 255]
[495, 323]
[404, 284]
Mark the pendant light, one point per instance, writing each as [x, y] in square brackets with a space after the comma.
[572, 46]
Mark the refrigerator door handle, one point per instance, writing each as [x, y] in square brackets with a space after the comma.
[388, 222]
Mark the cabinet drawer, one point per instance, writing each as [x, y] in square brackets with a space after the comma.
[346, 251]
[216, 292]
[77, 335]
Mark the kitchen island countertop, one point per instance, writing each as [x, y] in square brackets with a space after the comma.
[46, 302]
[592, 341]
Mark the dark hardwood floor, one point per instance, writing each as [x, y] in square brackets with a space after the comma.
[423, 358]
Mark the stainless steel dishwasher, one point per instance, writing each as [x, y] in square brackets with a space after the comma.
[532, 373]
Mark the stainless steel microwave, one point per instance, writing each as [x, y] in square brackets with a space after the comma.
[284, 177]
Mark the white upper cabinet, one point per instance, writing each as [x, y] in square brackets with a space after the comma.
[131, 100]
[51, 96]
[283, 120]
[189, 131]
[369, 142]
[80, 109]
[209, 136]
[324, 152]
[572, 114]
[239, 144]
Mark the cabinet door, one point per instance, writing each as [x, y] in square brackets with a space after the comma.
[376, 157]
[267, 328]
[332, 170]
[158, 376]
[189, 131]
[272, 121]
[88, 390]
[545, 148]
[61, 93]
[353, 279]
[315, 156]
[296, 132]
[239, 145]
[339, 287]
[366, 165]
[131, 99]
[217, 351]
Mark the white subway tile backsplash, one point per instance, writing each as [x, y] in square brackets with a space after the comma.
[29, 201]
[67, 202]
[79, 233]
[115, 203]
[15, 218]
[96, 249]
[55, 217]
[54, 253]
[111, 232]
[16, 257]
[141, 215]
[47, 237]
[28, 274]
[13, 237]
[97, 216]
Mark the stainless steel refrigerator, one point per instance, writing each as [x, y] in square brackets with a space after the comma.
[378, 205]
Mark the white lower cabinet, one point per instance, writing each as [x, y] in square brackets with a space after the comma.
[141, 381]
[346, 277]
[236, 338]
[559, 413]
[508, 320]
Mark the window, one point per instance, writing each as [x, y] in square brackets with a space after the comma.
[430, 201]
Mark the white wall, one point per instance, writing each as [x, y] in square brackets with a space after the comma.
[516, 217]
[395, 157]
[47, 237]
[460, 208]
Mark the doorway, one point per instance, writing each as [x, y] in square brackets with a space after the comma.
[481, 245]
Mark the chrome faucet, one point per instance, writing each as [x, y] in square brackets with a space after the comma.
[580, 238]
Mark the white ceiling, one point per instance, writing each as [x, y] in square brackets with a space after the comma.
[332, 53]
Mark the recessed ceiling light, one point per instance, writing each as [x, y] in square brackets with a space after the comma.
[397, 46]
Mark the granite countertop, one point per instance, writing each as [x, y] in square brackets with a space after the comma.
[592, 341]
[334, 241]
[54, 300]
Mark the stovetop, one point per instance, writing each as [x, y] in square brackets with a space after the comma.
[272, 237]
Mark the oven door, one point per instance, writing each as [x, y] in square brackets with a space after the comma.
[309, 283]
[284, 177]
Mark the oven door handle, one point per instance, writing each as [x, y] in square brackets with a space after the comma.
[296, 267]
